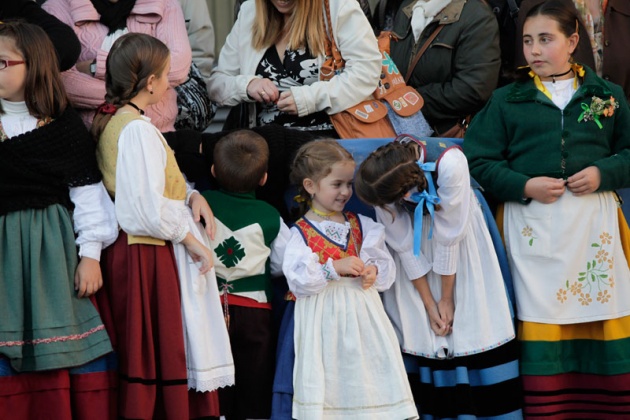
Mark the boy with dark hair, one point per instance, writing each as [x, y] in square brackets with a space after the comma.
[248, 249]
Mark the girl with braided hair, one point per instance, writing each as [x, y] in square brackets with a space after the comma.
[346, 360]
[448, 303]
[160, 301]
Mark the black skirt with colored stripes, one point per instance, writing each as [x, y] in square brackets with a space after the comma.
[484, 385]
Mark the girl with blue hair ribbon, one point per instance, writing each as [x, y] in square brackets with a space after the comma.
[448, 303]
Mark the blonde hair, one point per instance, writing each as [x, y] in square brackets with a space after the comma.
[306, 26]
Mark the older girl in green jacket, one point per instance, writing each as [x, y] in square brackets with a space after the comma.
[554, 148]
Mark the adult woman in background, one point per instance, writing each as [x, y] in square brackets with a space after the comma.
[98, 23]
[272, 57]
[459, 70]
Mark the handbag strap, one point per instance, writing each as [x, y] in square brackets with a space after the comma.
[424, 47]
[331, 49]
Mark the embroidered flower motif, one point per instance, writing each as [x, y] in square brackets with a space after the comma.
[595, 278]
[599, 107]
[575, 288]
[561, 295]
[603, 297]
[605, 237]
[601, 256]
[230, 252]
[528, 232]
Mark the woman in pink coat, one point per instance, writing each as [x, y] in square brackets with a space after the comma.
[98, 23]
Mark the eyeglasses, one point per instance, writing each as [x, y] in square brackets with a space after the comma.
[8, 63]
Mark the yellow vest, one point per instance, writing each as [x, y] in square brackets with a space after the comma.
[107, 154]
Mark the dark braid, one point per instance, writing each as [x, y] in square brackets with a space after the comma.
[388, 173]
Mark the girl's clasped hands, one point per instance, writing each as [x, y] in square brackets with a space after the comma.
[354, 266]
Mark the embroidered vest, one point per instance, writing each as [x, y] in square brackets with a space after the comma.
[246, 228]
[324, 247]
[107, 153]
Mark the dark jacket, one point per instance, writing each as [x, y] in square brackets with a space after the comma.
[521, 134]
[458, 72]
[616, 66]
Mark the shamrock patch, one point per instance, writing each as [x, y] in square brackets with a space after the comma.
[230, 252]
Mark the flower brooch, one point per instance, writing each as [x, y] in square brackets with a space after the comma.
[599, 108]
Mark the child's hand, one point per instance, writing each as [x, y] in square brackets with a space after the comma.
[201, 209]
[199, 253]
[585, 182]
[368, 276]
[544, 189]
[446, 308]
[439, 327]
[87, 278]
[349, 266]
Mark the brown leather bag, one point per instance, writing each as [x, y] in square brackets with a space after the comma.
[458, 130]
[368, 119]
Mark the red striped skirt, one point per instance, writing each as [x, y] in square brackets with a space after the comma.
[141, 308]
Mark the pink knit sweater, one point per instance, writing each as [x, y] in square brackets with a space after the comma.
[162, 19]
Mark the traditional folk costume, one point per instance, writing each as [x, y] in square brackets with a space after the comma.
[462, 373]
[347, 363]
[169, 334]
[248, 249]
[568, 258]
[51, 342]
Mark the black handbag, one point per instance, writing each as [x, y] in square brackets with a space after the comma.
[195, 110]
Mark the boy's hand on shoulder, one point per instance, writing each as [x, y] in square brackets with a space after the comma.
[585, 182]
[87, 278]
[349, 266]
[201, 210]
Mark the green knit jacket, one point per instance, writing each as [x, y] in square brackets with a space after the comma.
[521, 134]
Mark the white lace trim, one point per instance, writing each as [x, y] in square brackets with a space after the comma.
[210, 384]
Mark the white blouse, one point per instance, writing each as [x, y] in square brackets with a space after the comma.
[141, 207]
[449, 224]
[93, 217]
[306, 276]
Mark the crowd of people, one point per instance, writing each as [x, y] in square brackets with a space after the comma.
[150, 269]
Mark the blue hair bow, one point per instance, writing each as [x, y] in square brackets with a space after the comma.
[430, 199]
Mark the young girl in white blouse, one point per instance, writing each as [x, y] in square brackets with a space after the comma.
[160, 297]
[50, 189]
[347, 362]
[448, 304]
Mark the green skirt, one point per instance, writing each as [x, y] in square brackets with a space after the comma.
[43, 325]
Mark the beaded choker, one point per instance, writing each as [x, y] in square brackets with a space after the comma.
[323, 215]
[141, 111]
